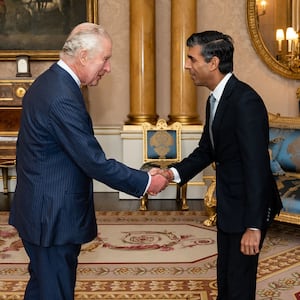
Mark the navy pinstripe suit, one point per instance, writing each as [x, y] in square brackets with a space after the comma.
[57, 158]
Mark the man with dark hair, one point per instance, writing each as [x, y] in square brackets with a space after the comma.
[235, 137]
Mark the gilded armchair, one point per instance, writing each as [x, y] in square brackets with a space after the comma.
[162, 148]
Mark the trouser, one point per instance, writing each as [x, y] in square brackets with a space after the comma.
[52, 272]
[236, 272]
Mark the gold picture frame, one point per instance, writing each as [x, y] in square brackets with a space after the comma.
[38, 29]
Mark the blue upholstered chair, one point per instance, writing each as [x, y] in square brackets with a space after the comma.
[162, 148]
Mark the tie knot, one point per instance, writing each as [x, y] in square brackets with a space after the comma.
[212, 101]
[212, 98]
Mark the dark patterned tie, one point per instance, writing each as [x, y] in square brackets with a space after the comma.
[212, 101]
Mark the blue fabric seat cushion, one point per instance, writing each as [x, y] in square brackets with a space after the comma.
[289, 190]
[289, 154]
[276, 168]
[285, 150]
[276, 138]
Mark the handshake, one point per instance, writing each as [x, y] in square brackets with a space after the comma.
[160, 179]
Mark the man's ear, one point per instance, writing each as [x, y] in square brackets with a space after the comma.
[83, 55]
[214, 63]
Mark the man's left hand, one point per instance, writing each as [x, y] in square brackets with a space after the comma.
[250, 242]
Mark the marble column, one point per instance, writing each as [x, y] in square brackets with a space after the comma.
[142, 62]
[183, 91]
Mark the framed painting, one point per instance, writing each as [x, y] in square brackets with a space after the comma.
[38, 28]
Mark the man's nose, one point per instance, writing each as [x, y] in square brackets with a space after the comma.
[107, 67]
[187, 65]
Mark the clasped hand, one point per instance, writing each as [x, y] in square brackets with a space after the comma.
[159, 180]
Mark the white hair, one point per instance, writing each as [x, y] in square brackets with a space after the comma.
[86, 36]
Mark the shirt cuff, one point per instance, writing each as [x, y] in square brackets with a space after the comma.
[149, 182]
[177, 178]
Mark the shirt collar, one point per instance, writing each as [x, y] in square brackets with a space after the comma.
[218, 91]
[63, 65]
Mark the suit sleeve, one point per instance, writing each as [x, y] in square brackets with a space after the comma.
[199, 159]
[71, 127]
[252, 132]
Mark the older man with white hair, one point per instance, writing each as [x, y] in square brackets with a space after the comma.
[58, 157]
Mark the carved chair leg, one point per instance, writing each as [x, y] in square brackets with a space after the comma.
[144, 203]
[178, 194]
[210, 203]
[181, 196]
[5, 180]
[184, 205]
[211, 221]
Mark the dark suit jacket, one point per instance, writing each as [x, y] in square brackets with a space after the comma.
[246, 191]
[57, 157]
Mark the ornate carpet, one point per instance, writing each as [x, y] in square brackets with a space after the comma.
[157, 255]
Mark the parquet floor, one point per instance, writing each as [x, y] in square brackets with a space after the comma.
[111, 202]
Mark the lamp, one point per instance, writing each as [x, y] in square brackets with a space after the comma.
[279, 38]
[291, 54]
[291, 36]
[263, 5]
[261, 8]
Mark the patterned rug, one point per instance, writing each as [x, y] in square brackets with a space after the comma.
[157, 255]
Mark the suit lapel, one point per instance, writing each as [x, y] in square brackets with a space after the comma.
[222, 106]
[63, 75]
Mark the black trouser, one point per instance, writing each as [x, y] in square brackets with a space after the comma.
[236, 272]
